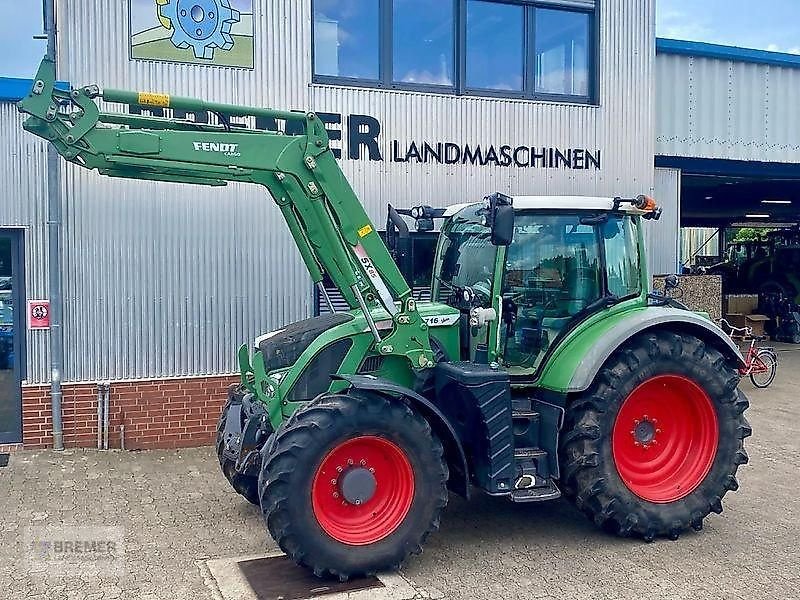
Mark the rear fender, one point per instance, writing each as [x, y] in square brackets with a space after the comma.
[454, 451]
[576, 362]
[678, 320]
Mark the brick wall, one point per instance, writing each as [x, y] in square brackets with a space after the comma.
[163, 413]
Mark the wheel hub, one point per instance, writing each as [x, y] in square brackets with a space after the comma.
[644, 432]
[357, 485]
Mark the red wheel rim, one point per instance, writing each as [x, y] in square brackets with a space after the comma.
[665, 438]
[384, 473]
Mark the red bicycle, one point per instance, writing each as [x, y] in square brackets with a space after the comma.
[761, 362]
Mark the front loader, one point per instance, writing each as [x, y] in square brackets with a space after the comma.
[541, 365]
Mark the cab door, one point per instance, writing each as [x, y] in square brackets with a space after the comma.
[552, 273]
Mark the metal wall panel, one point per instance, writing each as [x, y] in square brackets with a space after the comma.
[735, 110]
[23, 203]
[165, 279]
[662, 237]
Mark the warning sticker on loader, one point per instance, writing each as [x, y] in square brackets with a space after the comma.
[151, 99]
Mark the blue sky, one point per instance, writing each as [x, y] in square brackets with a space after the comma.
[767, 25]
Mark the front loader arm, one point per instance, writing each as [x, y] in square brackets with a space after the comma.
[325, 218]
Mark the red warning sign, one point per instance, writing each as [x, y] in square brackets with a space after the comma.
[38, 314]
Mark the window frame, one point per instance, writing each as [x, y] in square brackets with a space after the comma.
[385, 81]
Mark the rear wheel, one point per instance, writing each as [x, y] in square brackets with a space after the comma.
[765, 365]
[245, 485]
[653, 446]
[352, 484]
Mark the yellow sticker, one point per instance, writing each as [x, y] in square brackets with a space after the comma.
[150, 99]
[365, 230]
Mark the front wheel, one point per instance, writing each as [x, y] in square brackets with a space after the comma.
[765, 365]
[653, 446]
[352, 484]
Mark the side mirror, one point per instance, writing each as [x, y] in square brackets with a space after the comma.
[500, 219]
[503, 226]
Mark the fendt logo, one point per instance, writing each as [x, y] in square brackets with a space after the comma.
[226, 149]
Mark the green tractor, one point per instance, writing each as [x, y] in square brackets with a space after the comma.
[542, 364]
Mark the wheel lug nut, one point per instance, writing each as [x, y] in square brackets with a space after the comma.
[636, 421]
[658, 431]
[371, 470]
[338, 469]
[349, 461]
[333, 482]
[363, 463]
[335, 494]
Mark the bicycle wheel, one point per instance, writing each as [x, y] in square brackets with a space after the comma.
[765, 364]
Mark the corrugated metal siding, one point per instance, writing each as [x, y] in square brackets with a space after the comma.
[23, 168]
[703, 241]
[734, 110]
[662, 236]
[163, 279]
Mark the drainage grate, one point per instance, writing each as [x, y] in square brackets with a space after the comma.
[4, 460]
[278, 578]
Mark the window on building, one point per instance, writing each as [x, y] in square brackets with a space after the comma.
[423, 46]
[562, 52]
[495, 62]
[535, 49]
[346, 40]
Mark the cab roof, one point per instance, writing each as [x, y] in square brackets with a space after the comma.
[555, 202]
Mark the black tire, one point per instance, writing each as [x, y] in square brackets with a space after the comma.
[245, 485]
[591, 476]
[770, 360]
[304, 443]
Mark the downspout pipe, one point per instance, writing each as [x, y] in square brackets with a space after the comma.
[54, 218]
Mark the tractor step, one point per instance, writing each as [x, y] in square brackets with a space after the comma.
[540, 493]
[528, 453]
[528, 415]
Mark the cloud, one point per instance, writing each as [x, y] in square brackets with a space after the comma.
[777, 48]
[679, 25]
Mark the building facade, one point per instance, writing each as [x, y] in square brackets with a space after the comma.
[425, 103]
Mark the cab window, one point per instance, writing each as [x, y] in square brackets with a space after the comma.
[622, 256]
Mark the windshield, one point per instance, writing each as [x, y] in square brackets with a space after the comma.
[554, 272]
[465, 257]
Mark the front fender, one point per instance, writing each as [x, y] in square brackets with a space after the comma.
[576, 362]
[454, 451]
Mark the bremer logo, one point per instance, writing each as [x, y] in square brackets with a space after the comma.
[226, 149]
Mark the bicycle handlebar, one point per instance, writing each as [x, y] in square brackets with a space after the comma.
[747, 331]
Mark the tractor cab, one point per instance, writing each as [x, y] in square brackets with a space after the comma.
[567, 258]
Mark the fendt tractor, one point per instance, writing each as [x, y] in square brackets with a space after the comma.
[541, 365]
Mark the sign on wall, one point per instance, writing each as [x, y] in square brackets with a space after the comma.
[38, 314]
[205, 32]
